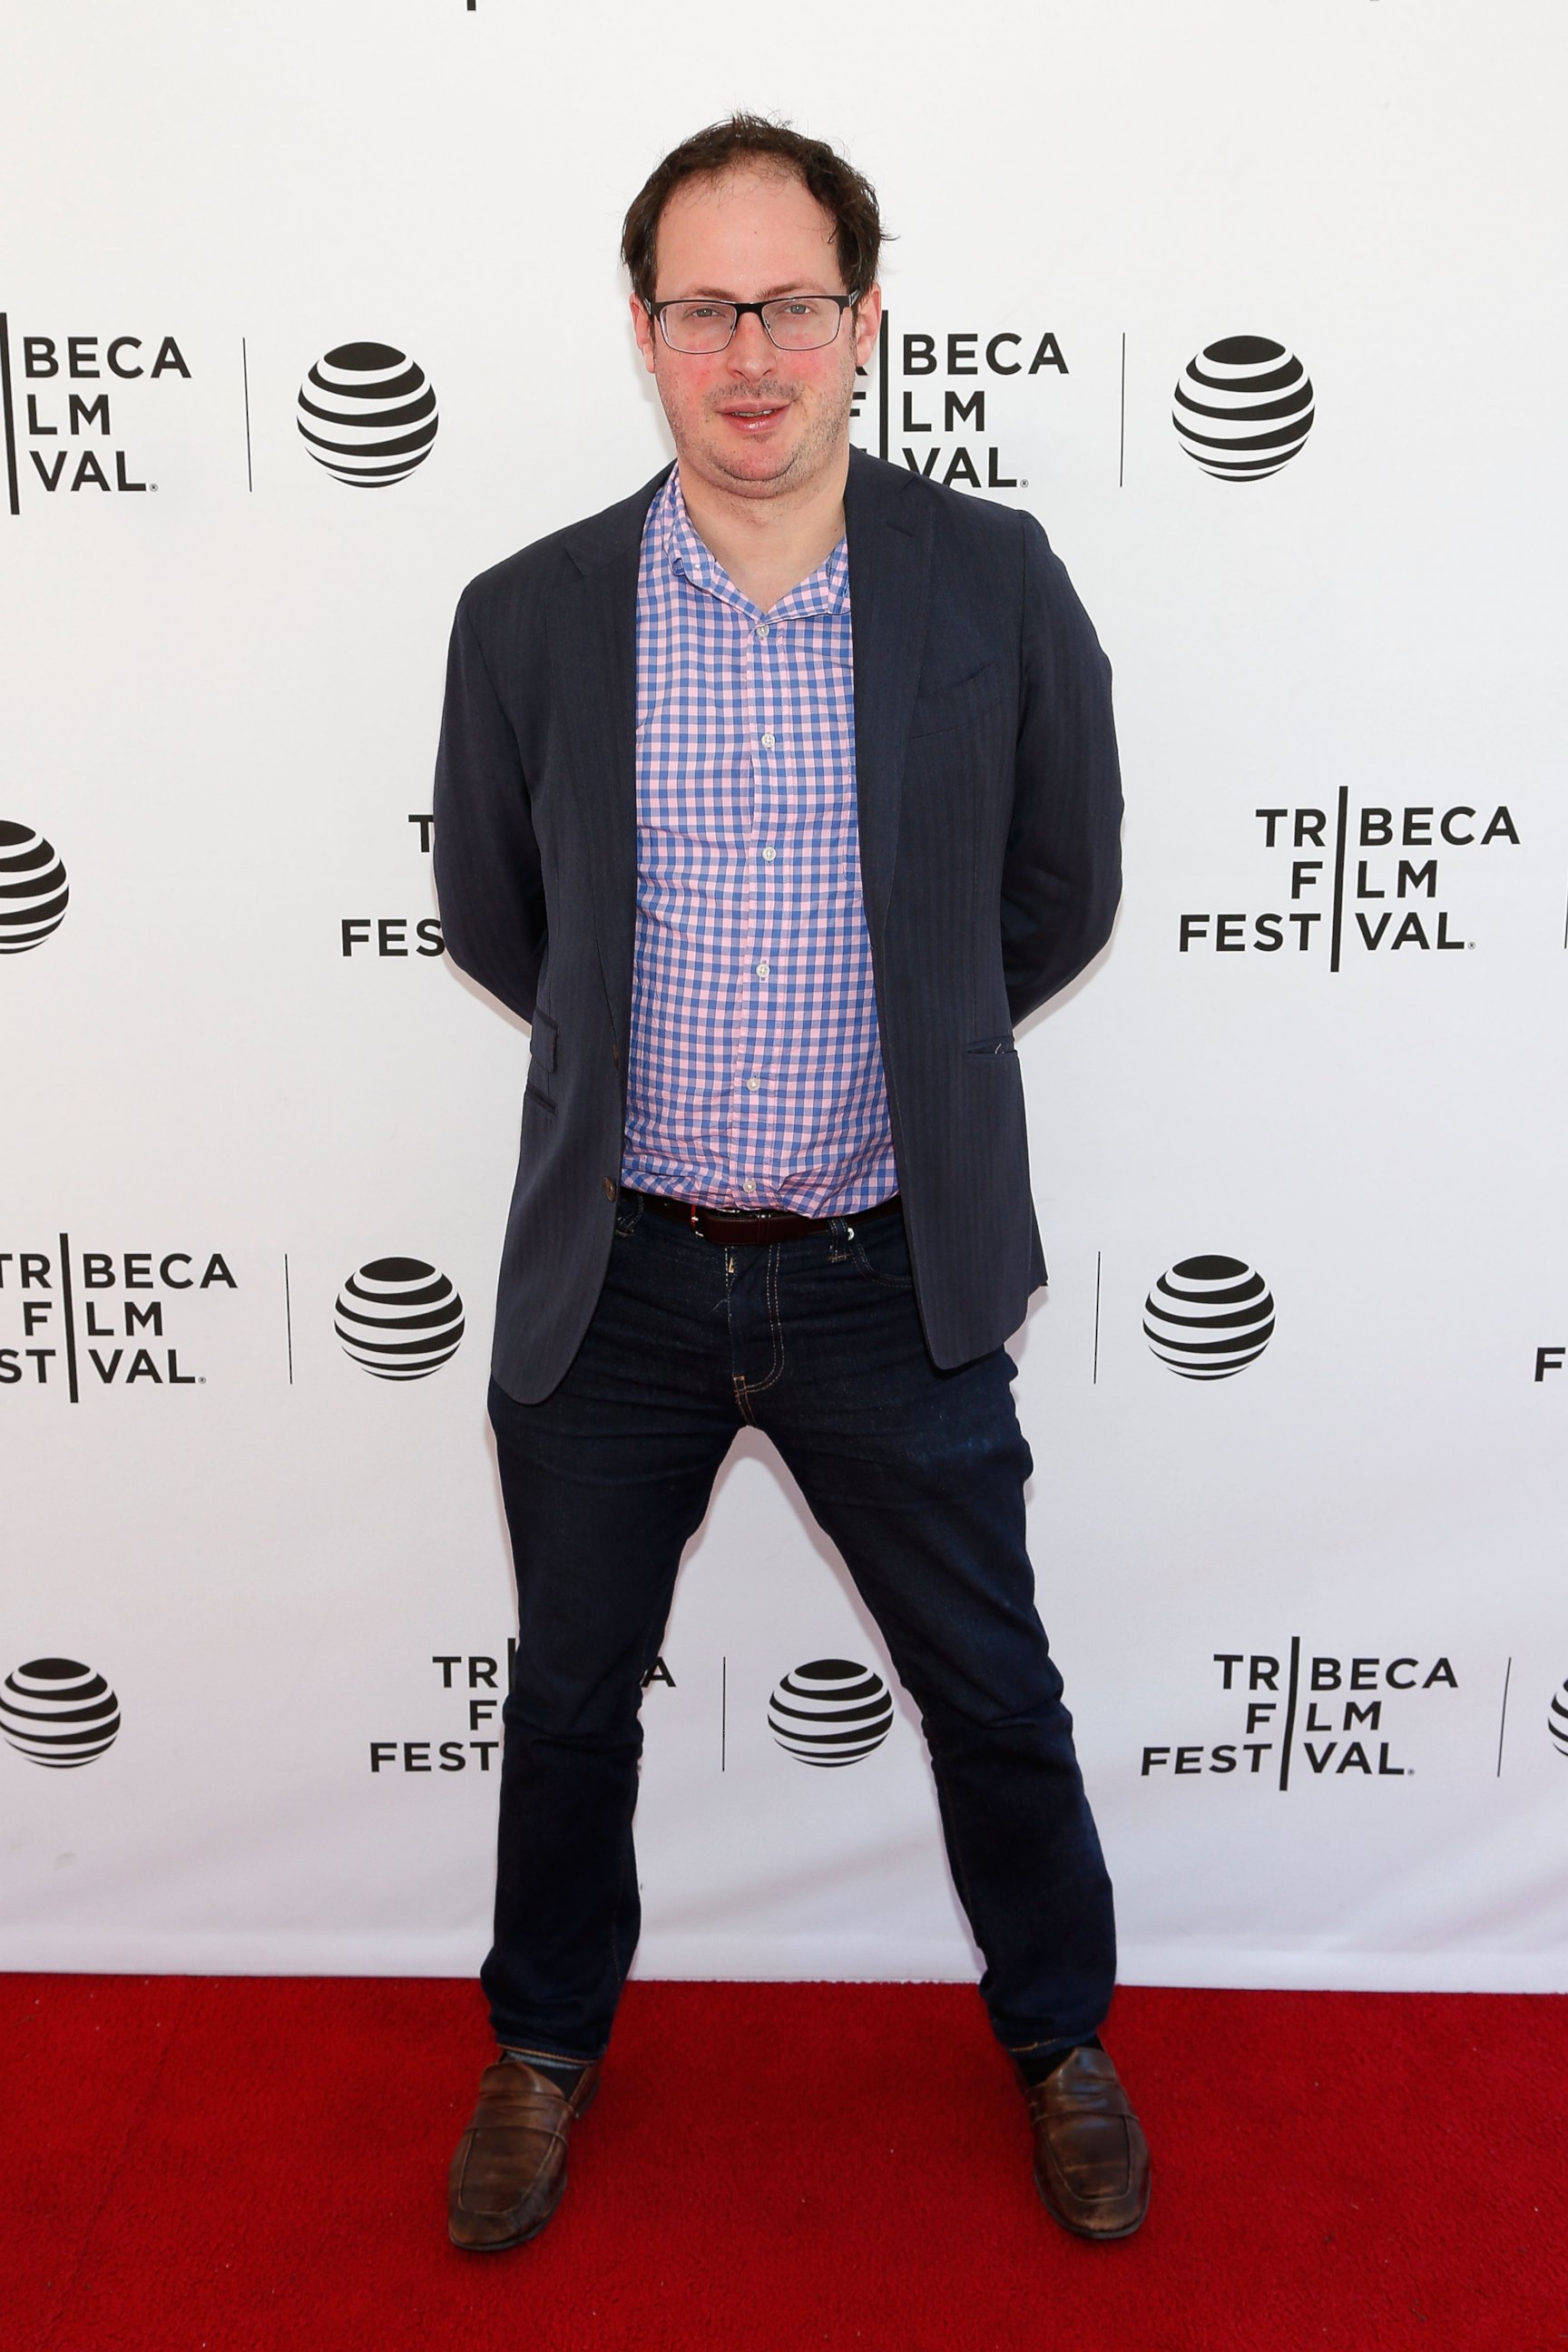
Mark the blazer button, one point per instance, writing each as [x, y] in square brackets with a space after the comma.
[609, 1190]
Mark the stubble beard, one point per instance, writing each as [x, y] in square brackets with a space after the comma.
[819, 440]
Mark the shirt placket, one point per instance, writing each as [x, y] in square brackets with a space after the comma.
[750, 1127]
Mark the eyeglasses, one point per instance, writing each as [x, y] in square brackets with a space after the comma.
[795, 322]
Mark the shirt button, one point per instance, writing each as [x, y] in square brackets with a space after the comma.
[769, 855]
[751, 1085]
[763, 970]
[749, 1184]
[761, 632]
[767, 742]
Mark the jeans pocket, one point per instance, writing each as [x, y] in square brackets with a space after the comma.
[882, 1251]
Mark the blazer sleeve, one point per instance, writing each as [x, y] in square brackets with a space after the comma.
[488, 880]
[1062, 876]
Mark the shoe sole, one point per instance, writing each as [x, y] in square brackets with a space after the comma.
[1098, 2237]
[505, 2245]
[524, 2237]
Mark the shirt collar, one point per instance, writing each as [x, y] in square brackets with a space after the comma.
[825, 590]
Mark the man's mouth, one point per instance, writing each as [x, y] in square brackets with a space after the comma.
[751, 416]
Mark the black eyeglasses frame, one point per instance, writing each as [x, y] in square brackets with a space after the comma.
[655, 311]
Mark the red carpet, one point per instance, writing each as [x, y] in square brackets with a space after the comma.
[196, 2165]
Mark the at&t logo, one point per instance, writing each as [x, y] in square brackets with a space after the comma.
[1244, 408]
[1557, 1721]
[59, 1713]
[399, 1319]
[830, 1712]
[367, 413]
[1209, 1317]
[33, 888]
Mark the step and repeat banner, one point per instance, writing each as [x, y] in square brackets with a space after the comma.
[307, 316]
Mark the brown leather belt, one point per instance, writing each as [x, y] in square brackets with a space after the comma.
[738, 1225]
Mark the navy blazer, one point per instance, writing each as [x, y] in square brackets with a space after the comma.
[989, 808]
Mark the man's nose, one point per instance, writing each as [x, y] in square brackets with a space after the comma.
[750, 350]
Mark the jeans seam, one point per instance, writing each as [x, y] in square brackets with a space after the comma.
[776, 1320]
[957, 1860]
[746, 1390]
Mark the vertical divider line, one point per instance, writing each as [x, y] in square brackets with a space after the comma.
[1291, 1712]
[1122, 450]
[1502, 1721]
[288, 1318]
[883, 347]
[1340, 828]
[245, 377]
[1094, 1381]
[68, 1297]
[6, 407]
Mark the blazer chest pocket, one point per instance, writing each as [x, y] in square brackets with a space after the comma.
[541, 1060]
[959, 705]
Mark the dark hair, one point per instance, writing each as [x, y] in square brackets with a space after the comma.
[744, 139]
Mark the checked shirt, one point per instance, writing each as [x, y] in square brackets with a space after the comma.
[755, 1074]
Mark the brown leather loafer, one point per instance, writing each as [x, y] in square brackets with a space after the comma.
[1091, 2160]
[509, 2169]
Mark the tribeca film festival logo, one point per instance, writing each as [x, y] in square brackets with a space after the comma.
[476, 1686]
[830, 1712]
[1243, 408]
[367, 413]
[399, 1318]
[59, 1713]
[1209, 1317]
[1328, 1715]
[395, 935]
[1348, 881]
[62, 436]
[927, 400]
[33, 888]
[82, 1320]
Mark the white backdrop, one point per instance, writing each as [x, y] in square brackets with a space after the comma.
[222, 703]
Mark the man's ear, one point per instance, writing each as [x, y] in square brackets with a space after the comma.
[868, 321]
[643, 328]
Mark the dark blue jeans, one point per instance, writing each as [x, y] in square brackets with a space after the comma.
[916, 1475]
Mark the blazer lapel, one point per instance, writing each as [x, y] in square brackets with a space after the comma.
[889, 532]
[592, 637]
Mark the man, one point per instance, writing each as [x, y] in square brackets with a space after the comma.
[772, 798]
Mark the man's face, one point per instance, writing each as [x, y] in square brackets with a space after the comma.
[753, 420]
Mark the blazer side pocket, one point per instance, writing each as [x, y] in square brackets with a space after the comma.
[543, 1040]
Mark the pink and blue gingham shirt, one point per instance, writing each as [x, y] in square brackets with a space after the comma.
[754, 1069]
